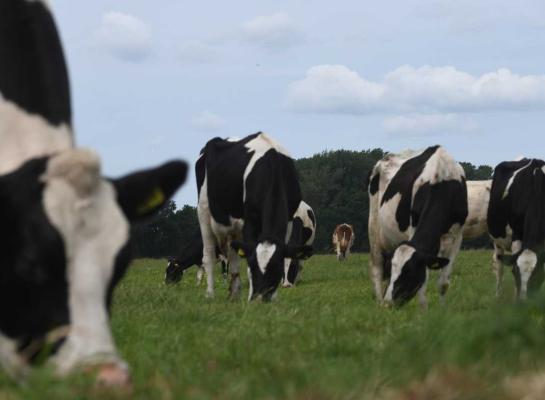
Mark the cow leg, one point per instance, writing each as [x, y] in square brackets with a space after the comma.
[209, 247]
[376, 263]
[497, 265]
[200, 275]
[234, 269]
[285, 282]
[422, 300]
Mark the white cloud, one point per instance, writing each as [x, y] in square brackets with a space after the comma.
[124, 36]
[337, 89]
[197, 52]
[427, 124]
[207, 121]
[273, 32]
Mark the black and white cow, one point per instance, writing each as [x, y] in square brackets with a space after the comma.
[64, 230]
[302, 233]
[418, 206]
[191, 255]
[516, 222]
[248, 193]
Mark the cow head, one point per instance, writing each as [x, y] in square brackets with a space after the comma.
[174, 271]
[409, 273]
[65, 232]
[528, 275]
[266, 265]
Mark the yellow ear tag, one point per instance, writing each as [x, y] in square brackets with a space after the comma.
[152, 202]
[241, 253]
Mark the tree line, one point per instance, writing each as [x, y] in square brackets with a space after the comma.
[332, 182]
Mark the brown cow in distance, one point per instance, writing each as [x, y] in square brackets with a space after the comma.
[343, 239]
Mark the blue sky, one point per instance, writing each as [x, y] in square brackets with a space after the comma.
[156, 80]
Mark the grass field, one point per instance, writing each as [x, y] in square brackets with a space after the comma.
[325, 339]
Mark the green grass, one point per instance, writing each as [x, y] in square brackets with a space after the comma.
[326, 338]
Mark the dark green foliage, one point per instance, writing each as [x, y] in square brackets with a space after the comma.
[166, 233]
[332, 182]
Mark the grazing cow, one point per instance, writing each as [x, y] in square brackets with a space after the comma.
[343, 239]
[64, 230]
[302, 233]
[248, 194]
[191, 255]
[418, 206]
[516, 222]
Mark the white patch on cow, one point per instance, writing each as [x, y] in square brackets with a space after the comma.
[233, 139]
[24, 136]
[11, 363]
[512, 179]
[302, 213]
[543, 169]
[440, 167]
[259, 146]
[84, 209]
[526, 262]
[478, 197]
[402, 254]
[264, 252]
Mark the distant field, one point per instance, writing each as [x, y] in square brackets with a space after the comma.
[325, 339]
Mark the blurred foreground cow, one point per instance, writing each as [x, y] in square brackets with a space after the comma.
[191, 255]
[343, 239]
[248, 194]
[418, 207]
[516, 222]
[303, 232]
[64, 230]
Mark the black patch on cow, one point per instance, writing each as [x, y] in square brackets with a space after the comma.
[412, 277]
[223, 163]
[511, 209]
[312, 217]
[33, 286]
[436, 208]
[33, 72]
[374, 184]
[403, 183]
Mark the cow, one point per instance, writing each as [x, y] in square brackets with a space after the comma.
[302, 233]
[516, 223]
[191, 255]
[343, 240]
[248, 192]
[418, 207]
[64, 229]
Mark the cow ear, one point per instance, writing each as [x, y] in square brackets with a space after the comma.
[143, 193]
[242, 249]
[437, 262]
[298, 252]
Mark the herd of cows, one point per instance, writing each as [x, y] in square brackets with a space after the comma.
[65, 229]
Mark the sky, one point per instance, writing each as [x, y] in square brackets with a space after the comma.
[153, 81]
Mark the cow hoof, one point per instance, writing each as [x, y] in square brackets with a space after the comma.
[114, 376]
[287, 285]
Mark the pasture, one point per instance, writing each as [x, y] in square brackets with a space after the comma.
[325, 339]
